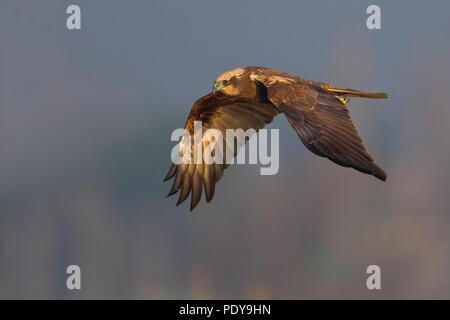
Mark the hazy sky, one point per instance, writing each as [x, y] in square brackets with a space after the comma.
[85, 123]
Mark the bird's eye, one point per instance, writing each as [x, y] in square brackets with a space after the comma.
[225, 82]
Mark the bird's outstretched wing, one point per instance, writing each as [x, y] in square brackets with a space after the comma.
[323, 122]
[221, 112]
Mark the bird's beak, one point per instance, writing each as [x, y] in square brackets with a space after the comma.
[218, 86]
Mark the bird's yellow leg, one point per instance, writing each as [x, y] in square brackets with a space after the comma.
[344, 100]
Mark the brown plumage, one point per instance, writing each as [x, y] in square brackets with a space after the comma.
[249, 98]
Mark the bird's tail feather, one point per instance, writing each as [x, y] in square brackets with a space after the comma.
[343, 92]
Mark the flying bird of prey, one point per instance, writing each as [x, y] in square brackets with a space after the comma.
[250, 97]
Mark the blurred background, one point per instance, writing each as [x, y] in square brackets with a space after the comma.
[85, 124]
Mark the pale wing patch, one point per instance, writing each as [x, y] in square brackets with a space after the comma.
[271, 79]
[230, 74]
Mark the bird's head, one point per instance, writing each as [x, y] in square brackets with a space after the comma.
[235, 83]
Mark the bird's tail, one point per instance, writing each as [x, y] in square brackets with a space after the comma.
[343, 92]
